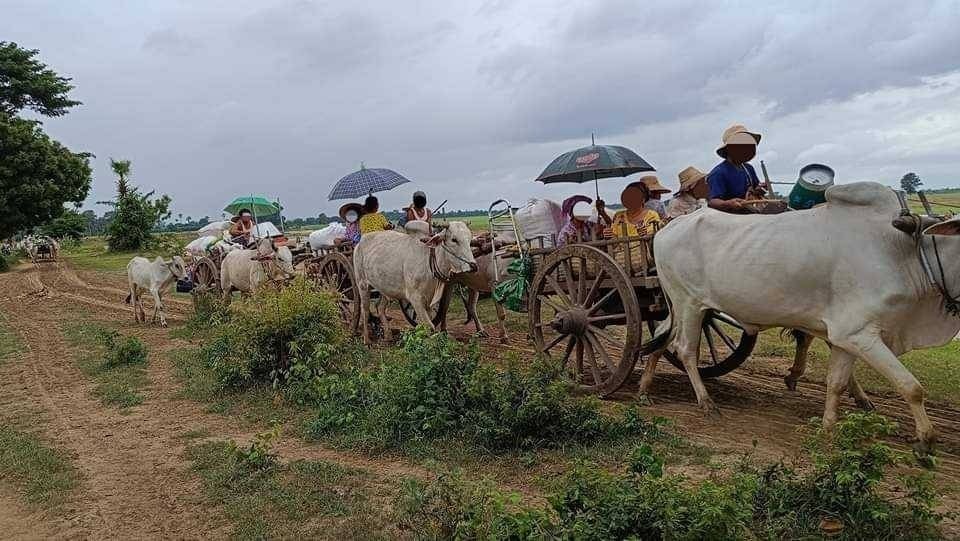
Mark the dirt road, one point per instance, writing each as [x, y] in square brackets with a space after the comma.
[136, 482]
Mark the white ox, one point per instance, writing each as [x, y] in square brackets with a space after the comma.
[409, 267]
[153, 276]
[245, 270]
[840, 272]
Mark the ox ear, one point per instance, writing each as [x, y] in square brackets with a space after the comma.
[435, 240]
[948, 227]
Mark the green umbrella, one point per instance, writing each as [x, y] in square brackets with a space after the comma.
[257, 204]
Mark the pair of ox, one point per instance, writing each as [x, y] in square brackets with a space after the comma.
[840, 272]
[411, 267]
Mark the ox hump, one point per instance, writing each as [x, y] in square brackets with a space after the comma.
[862, 194]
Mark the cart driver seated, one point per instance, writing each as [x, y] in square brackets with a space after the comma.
[581, 222]
[734, 181]
[241, 232]
[636, 219]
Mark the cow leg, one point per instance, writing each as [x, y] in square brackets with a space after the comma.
[840, 367]
[423, 314]
[859, 396]
[382, 314]
[880, 358]
[687, 342]
[646, 379]
[501, 321]
[471, 307]
[158, 308]
[804, 341]
[365, 312]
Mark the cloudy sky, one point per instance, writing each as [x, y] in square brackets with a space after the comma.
[470, 100]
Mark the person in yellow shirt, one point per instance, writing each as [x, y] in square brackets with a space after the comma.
[373, 220]
[635, 219]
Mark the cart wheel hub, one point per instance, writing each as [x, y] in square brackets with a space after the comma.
[571, 322]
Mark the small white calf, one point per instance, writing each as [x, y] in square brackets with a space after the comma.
[153, 276]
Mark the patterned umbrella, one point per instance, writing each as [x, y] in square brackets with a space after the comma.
[365, 182]
[594, 162]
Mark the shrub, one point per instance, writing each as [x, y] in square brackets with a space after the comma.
[773, 502]
[434, 387]
[277, 336]
[121, 350]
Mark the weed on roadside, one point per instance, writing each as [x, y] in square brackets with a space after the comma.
[42, 475]
[9, 343]
[265, 498]
[116, 363]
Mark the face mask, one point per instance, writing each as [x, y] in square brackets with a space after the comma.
[351, 217]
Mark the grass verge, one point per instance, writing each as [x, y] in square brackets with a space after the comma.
[9, 343]
[934, 367]
[265, 498]
[117, 364]
[42, 475]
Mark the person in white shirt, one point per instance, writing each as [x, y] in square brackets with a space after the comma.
[693, 188]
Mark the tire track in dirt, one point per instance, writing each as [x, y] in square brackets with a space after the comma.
[136, 480]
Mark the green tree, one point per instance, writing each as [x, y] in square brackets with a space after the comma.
[37, 174]
[134, 215]
[910, 183]
[121, 168]
[69, 225]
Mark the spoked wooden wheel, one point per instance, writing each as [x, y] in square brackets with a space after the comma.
[724, 346]
[206, 279]
[584, 312]
[335, 272]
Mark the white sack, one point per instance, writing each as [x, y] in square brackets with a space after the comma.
[199, 247]
[266, 229]
[538, 217]
[325, 237]
[213, 228]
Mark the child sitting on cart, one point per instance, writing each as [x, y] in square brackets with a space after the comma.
[636, 219]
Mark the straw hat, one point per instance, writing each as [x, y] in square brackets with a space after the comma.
[689, 178]
[356, 207]
[737, 135]
[653, 184]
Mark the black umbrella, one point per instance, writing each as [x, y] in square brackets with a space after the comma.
[592, 163]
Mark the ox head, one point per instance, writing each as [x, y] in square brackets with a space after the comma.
[279, 255]
[454, 245]
[177, 267]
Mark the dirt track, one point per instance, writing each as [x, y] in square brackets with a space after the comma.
[136, 482]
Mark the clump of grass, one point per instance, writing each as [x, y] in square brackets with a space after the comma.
[42, 475]
[274, 336]
[115, 362]
[266, 498]
[9, 344]
[840, 495]
[432, 387]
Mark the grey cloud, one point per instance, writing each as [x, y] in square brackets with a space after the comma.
[169, 41]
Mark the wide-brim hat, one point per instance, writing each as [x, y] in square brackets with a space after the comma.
[356, 207]
[569, 202]
[689, 178]
[737, 135]
[653, 184]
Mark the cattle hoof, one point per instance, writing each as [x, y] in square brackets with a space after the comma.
[644, 399]
[791, 383]
[163, 324]
[483, 334]
[710, 410]
[865, 404]
[925, 454]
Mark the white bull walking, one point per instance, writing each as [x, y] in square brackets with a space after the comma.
[409, 267]
[840, 272]
[156, 277]
[245, 270]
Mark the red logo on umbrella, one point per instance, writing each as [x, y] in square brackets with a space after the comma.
[588, 159]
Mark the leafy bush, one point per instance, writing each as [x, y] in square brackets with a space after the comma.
[121, 350]
[773, 502]
[135, 216]
[434, 387]
[69, 225]
[290, 334]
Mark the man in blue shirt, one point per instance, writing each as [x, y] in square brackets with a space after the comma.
[733, 179]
